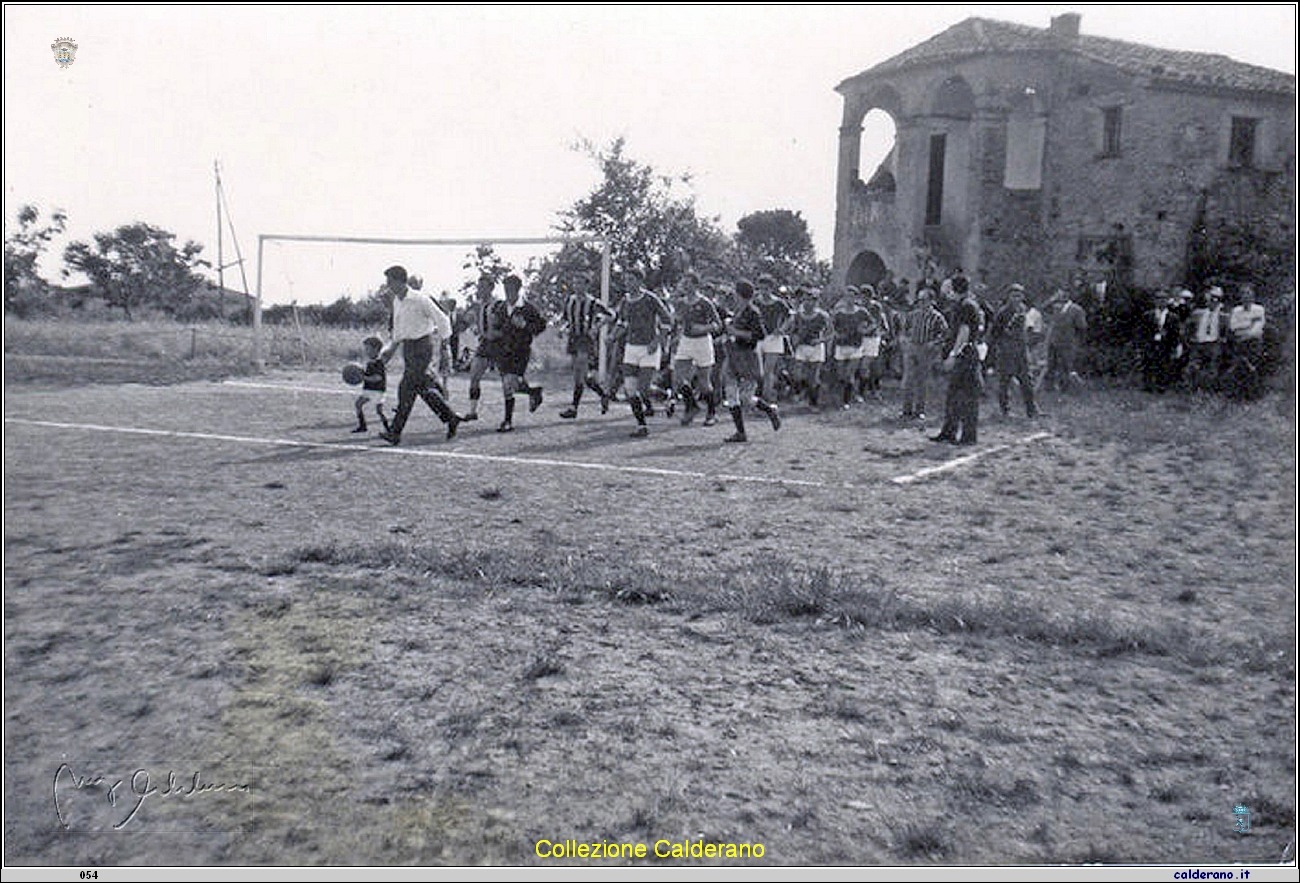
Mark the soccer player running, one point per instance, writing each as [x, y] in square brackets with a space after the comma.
[483, 319]
[850, 320]
[744, 370]
[520, 323]
[694, 361]
[643, 317]
[583, 314]
[776, 311]
[810, 329]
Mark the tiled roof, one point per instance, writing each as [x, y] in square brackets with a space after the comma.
[978, 36]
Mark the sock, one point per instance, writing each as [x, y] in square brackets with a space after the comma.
[688, 396]
[596, 388]
[738, 417]
[577, 395]
[711, 402]
[510, 409]
[638, 409]
[763, 406]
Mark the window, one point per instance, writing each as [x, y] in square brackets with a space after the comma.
[1110, 130]
[934, 194]
[1241, 150]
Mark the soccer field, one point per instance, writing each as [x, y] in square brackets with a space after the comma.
[1073, 642]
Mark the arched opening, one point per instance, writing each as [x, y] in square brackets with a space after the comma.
[876, 157]
[954, 99]
[867, 269]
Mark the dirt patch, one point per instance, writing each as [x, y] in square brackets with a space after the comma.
[380, 658]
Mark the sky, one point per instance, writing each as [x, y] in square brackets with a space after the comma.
[459, 122]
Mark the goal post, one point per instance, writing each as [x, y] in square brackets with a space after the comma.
[259, 357]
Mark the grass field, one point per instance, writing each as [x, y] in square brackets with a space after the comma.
[1075, 647]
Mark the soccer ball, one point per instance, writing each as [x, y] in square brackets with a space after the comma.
[353, 374]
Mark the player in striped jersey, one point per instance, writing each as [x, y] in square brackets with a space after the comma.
[698, 321]
[583, 315]
[489, 335]
[644, 318]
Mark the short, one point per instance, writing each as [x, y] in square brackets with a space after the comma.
[850, 353]
[812, 353]
[695, 349]
[773, 345]
[871, 347]
[743, 364]
[636, 356]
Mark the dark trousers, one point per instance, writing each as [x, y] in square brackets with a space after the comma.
[417, 354]
[1015, 364]
[962, 408]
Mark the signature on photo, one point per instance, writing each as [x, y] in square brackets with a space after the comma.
[139, 787]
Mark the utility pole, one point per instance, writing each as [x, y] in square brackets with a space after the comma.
[221, 274]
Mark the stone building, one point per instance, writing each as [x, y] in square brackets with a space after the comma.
[1041, 155]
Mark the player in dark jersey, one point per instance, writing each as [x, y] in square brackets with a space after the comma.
[810, 328]
[744, 370]
[850, 319]
[693, 363]
[776, 312]
[520, 322]
[644, 318]
[374, 384]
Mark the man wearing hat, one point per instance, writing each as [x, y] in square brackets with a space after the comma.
[414, 326]
[1011, 346]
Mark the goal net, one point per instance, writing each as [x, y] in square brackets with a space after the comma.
[302, 278]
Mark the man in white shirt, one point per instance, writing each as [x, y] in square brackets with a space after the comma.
[1246, 325]
[414, 325]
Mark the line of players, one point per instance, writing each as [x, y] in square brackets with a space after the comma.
[702, 345]
[687, 347]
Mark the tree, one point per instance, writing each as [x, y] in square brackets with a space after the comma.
[649, 222]
[23, 285]
[777, 241]
[486, 267]
[139, 265]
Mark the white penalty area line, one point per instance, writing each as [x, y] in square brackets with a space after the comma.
[962, 461]
[425, 452]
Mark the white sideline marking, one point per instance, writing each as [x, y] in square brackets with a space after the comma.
[962, 461]
[352, 391]
[424, 452]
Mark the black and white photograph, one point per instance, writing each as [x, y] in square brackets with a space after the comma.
[650, 439]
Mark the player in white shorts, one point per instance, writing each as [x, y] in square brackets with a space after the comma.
[694, 359]
[810, 329]
[644, 317]
[849, 319]
[776, 312]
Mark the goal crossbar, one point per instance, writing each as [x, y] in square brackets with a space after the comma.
[259, 362]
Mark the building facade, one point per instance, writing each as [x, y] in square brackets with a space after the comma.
[1042, 155]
